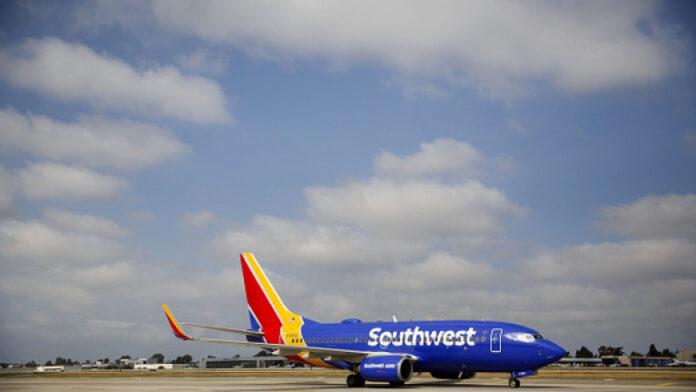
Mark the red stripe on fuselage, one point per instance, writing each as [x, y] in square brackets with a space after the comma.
[261, 306]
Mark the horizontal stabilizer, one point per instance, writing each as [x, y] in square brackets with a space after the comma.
[226, 329]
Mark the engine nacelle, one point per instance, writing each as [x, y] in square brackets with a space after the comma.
[386, 368]
[453, 375]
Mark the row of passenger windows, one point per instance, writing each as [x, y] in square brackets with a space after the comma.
[337, 340]
[477, 339]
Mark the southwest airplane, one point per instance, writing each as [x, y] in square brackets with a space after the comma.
[382, 351]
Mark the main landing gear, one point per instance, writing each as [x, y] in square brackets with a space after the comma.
[514, 383]
[355, 380]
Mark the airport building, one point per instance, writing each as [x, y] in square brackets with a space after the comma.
[619, 361]
[246, 362]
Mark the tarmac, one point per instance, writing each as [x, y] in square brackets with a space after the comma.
[249, 384]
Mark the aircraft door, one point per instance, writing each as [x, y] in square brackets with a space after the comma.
[496, 340]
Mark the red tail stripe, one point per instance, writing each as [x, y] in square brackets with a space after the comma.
[262, 307]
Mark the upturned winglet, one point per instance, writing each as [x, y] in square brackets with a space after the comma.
[176, 328]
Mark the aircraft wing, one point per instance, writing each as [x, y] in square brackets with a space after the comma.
[331, 354]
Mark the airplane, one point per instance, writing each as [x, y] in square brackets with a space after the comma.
[678, 363]
[381, 351]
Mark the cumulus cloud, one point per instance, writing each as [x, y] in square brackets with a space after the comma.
[91, 141]
[383, 221]
[85, 223]
[500, 46]
[414, 209]
[40, 243]
[617, 263]
[442, 156]
[197, 220]
[308, 243]
[73, 72]
[204, 61]
[668, 216]
[71, 275]
[7, 192]
[48, 181]
[449, 271]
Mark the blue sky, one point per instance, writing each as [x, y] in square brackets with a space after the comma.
[535, 162]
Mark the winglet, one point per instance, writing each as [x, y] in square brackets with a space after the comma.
[176, 328]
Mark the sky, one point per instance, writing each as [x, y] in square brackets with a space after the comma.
[532, 162]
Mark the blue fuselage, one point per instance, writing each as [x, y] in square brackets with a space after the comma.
[453, 345]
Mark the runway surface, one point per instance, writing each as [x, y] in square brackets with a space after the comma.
[148, 384]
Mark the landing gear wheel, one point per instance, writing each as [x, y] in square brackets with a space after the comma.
[397, 383]
[355, 380]
[514, 383]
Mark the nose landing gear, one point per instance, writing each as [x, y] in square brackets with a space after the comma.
[515, 377]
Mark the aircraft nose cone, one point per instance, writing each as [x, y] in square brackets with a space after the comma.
[555, 352]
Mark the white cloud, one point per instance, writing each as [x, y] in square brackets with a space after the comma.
[197, 220]
[7, 192]
[440, 156]
[414, 209]
[74, 72]
[307, 243]
[618, 264]
[56, 275]
[502, 46]
[85, 223]
[450, 272]
[205, 61]
[47, 181]
[668, 216]
[381, 221]
[48, 246]
[91, 141]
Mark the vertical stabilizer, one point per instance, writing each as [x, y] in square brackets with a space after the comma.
[267, 312]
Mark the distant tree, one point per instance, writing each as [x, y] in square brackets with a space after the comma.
[263, 353]
[636, 354]
[184, 359]
[236, 356]
[157, 358]
[49, 363]
[652, 352]
[567, 354]
[584, 352]
[213, 356]
[60, 361]
[31, 364]
[125, 357]
[610, 350]
[667, 353]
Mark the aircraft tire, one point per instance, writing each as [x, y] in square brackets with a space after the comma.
[355, 380]
[396, 383]
[514, 383]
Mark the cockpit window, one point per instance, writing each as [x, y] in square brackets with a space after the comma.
[538, 336]
[523, 337]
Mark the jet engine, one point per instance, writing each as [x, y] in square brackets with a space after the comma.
[392, 368]
[453, 375]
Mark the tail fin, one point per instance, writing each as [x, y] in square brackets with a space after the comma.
[267, 312]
